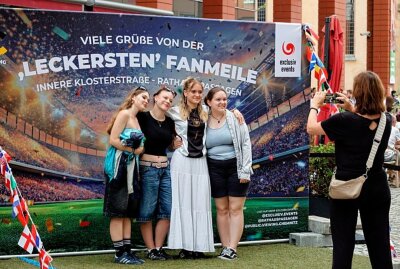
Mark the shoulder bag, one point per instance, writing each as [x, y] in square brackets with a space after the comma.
[351, 189]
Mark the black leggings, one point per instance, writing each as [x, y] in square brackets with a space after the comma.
[374, 205]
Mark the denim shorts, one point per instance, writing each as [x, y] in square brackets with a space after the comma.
[156, 193]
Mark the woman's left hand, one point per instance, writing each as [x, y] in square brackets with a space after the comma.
[318, 100]
[346, 103]
[239, 116]
[244, 180]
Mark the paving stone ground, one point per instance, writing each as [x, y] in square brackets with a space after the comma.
[361, 249]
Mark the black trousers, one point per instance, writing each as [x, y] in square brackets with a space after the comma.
[374, 205]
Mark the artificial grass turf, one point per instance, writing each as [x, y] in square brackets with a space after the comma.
[274, 256]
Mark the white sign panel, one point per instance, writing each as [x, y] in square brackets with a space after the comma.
[287, 50]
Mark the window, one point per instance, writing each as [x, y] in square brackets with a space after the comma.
[188, 8]
[350, 27]
[245, 10]
[261, 8]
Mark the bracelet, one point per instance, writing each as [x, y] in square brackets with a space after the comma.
[313, 108]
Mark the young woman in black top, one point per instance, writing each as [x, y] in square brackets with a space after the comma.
[353, 133]
[159, 131]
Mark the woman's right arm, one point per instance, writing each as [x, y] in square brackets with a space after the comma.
[117, 129]
[313, 126]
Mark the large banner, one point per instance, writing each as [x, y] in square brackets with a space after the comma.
[63, 75]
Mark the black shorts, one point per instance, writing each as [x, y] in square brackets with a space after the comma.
[224, 179]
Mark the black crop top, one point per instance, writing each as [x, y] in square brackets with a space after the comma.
[159, 134]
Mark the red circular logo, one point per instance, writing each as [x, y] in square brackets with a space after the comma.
[288, 49]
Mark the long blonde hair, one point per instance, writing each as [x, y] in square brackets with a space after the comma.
[184, 109]
[127, 103]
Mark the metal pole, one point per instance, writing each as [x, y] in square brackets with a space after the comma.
[121, 6]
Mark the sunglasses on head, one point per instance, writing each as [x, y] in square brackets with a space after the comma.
[165, 88]
[141, 88]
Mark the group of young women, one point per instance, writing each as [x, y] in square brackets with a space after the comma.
[212, 156]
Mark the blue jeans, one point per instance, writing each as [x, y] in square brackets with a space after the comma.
[156, 193]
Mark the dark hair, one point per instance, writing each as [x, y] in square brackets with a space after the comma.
[389, 103]
[211, 94]
[164, 88]
[398, 117]
[369, 93]
[127, 103]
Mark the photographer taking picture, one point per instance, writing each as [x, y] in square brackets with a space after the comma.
[353, 132]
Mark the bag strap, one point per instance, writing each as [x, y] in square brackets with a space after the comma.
[377, 140]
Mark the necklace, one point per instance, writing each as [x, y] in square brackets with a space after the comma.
[157, 120]
[218, 120]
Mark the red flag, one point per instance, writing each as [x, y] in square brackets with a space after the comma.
[36, 237]
[7, 183]
[320, 74]
[44, 259]
[4, 159]
[3, 166]
[20, 209]
[26, 240]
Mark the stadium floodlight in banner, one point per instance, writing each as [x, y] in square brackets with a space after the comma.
[62, 75]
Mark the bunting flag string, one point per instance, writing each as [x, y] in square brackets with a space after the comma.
[321, 75]
[316, 65]
[320, 72]
[30, 238]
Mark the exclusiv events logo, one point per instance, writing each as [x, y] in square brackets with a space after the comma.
[287, 64]
[288, 49]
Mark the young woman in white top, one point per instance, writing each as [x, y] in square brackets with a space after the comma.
[191, 220]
